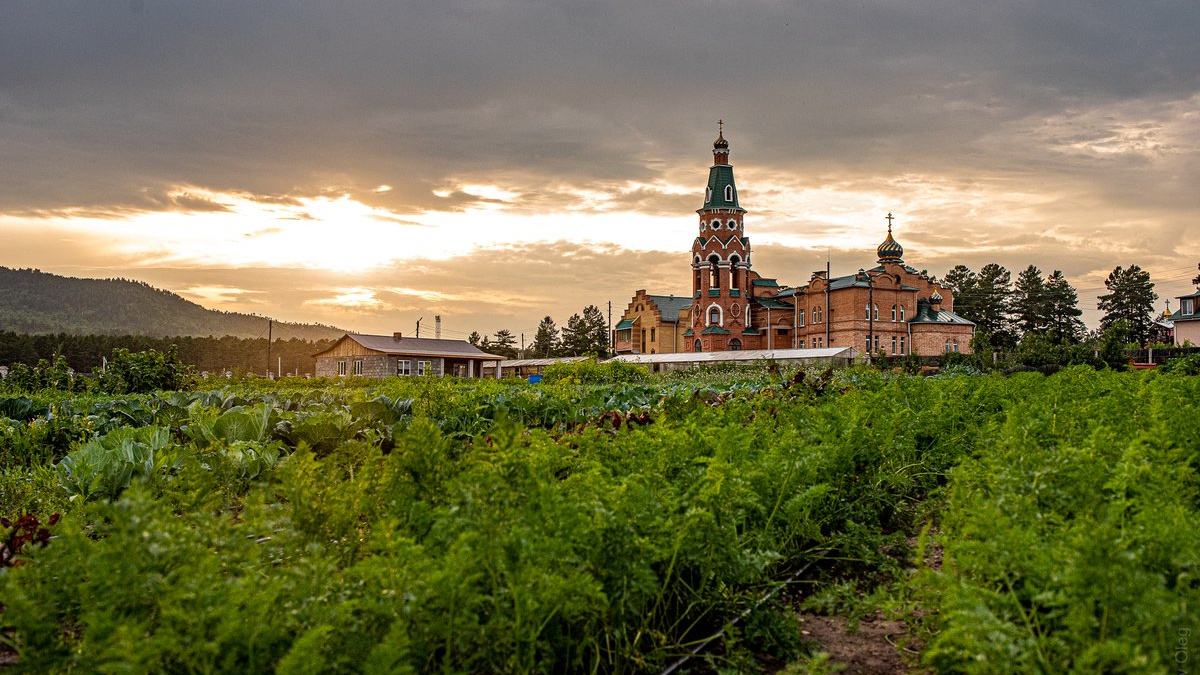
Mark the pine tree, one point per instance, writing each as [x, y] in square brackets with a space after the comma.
[1196, 279]
[597, 331]
[546, 341]
[574, 337]
[1062, 307]
[995, 304]
[1029, 307]
[1130, 300]
[984, 298]
[586, 334]
[474, 338]
[505, 344]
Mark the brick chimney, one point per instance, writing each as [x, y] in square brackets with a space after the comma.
[397, 336]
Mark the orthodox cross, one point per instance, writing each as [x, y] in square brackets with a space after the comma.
[720, 127]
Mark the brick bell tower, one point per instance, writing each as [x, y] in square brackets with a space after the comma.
[721, 264]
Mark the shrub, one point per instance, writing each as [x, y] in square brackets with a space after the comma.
[140, 372]
[593, 372]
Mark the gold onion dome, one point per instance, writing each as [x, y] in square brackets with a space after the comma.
[936, 297]
[721, 143]
[890, 250]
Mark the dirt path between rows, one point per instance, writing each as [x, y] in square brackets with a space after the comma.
[874, 649]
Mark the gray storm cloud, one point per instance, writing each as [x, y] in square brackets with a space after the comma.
[109, 106]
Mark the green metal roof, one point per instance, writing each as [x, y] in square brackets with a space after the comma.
[771, 303]
[714, 330]
[925, 314]
[671, 306]
[625, 325]
[688, 333]
[766, 282]
[848, 281]
[719, 176]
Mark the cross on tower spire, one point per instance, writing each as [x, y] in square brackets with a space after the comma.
[889, 219]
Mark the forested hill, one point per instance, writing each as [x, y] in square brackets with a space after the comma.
[32, 301]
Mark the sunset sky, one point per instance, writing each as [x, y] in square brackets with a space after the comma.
[368, 163]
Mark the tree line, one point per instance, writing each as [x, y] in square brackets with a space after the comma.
[585, 333]
[87, 353]
[1045, 307]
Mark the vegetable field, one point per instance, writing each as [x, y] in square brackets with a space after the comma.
[603, 521]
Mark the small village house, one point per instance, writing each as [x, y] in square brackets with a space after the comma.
[380, 356]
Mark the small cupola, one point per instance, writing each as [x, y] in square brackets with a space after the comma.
[890, 250]
[720, 146]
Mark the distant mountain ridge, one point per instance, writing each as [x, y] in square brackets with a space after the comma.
[35, 302]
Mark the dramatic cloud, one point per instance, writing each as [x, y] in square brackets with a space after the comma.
[302, 158]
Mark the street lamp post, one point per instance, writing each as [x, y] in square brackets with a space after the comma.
[870, 317]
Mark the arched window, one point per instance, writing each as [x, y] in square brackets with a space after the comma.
[866, 311]
[697, 347]
[876, 312]
[714, 272]
[733, 271]
[714, 316]
[902, 312]
[708, 194]
[955, 345]
[947, 349]
[735, 345]
[893, 314]
[728, 193]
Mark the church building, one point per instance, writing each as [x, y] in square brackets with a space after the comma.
[732, 307]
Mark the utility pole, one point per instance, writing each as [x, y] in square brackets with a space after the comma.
[828, 335]
[870, 317]
[522, 345]
[437, 326]
[419, 327]
[610, 331]
[270, 323]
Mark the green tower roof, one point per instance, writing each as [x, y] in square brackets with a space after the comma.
[720, 176]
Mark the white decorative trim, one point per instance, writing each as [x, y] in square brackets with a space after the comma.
[708, 313]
